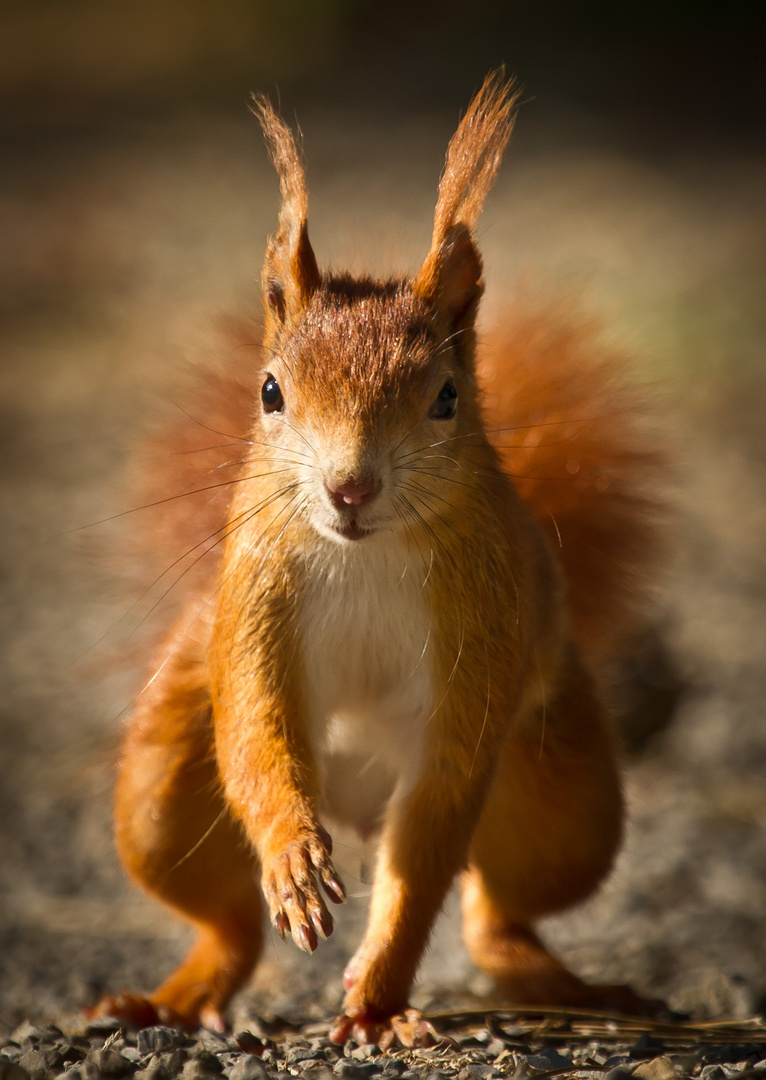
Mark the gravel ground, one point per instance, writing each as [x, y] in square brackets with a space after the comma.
[121, 248]
[499, 1045]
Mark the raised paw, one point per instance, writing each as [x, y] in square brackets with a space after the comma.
[409, 1029]
[289, 884]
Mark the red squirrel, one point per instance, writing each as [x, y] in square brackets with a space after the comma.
[427, 549]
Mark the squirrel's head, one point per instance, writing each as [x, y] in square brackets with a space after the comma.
[368, 388]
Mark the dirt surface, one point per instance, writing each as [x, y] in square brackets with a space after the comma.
[119, 251]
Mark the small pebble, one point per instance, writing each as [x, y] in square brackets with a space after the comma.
[393, 1066]
[108, 1062]
[156, 1040]
[206, 1059]
[363, 1052]
[248, 1068]
[37, 1033]
[155, 1070]
[302, 1053]
[215, 1042]
[11, 1070]
[195, 1069]
[74, 1049]
[175, 1060]
[659, 1068]
[646, 1046]
[467, 1041]
[476, 1071]
[21, 1033]
[354, 1070]
[712, 1072]
[617, 1061]
[41, 1064]
[619, 1072]
[548, 1058]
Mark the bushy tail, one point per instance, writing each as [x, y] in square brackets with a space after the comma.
[185, 474]
[576, 440]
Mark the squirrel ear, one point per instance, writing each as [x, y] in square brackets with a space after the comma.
[290, 273]
[450, 278]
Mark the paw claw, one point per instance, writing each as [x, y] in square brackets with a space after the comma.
[334, 888]
[305, 938]
[322, 925]
[281, 924]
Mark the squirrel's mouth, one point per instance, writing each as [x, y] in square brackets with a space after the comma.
[352, 531]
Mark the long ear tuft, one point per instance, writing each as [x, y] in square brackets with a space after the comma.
[451, 275]
[474, 155]
[290, 273]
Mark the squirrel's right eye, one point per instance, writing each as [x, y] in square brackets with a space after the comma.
[271, 395]
[445, 406]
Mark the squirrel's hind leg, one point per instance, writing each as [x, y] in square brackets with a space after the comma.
[547, 837]
[177, 839]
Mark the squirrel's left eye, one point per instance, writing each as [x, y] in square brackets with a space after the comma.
[445, 406]
[271, 395]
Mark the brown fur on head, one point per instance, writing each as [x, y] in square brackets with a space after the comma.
[450, 279]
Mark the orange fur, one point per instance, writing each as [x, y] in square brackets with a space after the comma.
[418, 554]
[575, 438]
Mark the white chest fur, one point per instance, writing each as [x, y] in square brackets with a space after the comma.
[367, 667]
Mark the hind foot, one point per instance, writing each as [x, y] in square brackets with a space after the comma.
[526, 974]
[409, 1029]
[135, 1011]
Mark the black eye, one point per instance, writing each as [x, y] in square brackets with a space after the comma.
[271, 395]
[445, 406]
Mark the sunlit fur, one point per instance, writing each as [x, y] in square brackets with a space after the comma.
[391, 625]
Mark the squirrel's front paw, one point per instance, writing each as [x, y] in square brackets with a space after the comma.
[409, 1028]
[289, 882]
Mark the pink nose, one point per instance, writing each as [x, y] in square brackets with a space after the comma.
[353, 492]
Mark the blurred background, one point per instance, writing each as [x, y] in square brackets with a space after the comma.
[135, 201]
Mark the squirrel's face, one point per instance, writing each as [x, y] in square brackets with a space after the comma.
[368, 418]
[368, 398]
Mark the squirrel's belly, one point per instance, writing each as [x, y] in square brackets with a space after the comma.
[366, 632]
